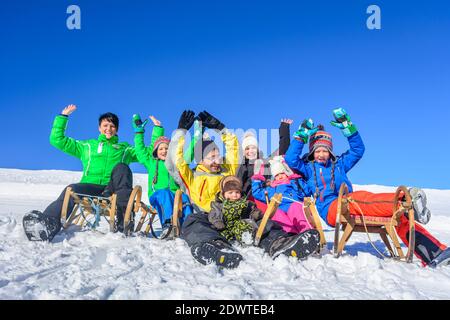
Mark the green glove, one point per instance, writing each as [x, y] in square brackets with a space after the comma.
[138, 125]
[305, 130]
[343, 122]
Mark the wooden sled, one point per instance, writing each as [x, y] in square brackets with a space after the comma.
[384, 226]
[174, 229]
[86, 205]
[311, 213]
[271, 209]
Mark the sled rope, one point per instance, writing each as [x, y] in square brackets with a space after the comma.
[367, 231]
[309, 224]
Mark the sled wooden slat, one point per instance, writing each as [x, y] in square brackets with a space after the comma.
[271, 209]
[384, 226]
[177, 211]
[112, 212]
[85, 205]
[67, 196]
[309, 205]
[133, 203]
[145, 210]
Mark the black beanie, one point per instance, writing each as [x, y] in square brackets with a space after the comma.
[202, 148]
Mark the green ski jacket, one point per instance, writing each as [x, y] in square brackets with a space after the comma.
[98, 156]
[145, 156]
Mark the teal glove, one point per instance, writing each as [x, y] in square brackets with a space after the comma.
[305, 130]
[343, 122]
[138, 125]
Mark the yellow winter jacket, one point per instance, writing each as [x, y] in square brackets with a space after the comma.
[202, 185]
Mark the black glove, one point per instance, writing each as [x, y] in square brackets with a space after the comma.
[186, 120]
[210, 121]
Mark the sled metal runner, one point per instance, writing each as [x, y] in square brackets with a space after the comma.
[85, 205]
[384, 226]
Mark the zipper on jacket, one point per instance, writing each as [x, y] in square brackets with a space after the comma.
[324, 185]
[106, 162]
[201, 191]
[100, 147]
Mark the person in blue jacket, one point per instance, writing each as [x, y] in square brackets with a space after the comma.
[290, 214]
[324, 172]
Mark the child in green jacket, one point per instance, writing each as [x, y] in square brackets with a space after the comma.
[161, 185]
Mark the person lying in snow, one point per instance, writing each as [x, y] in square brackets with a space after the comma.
[161, 185]
[105, 171]
[231, 218]
[290, 214]
[251, 153]
[325, 172]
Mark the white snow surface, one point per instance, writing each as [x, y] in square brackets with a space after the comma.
[83, 264]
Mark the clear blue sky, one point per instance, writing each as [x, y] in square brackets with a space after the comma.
[248, 62]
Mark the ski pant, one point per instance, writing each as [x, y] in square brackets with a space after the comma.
[121, 184]
[426, 247]
[197, 229]
[292, 221]
[163, 201]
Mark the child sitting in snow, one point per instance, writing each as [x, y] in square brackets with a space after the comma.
[325, 172]
[232, 217]
[251, 153]
[161, 185]
[290, 214]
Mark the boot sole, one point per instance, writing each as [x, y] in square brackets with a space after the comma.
[419, 200]
[227, 260]
[304, 245]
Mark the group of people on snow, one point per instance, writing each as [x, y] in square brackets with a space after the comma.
[225, 195]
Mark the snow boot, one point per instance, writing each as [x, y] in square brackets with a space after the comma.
[300, 245]
[442, 259]
[419, 201]
[216, 251]
[40, 227]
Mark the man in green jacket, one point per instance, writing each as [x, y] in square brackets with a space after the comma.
[105, 163]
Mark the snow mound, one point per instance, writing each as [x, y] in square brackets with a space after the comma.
[83, 264]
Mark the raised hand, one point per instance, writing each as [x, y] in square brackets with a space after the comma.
[210, 121]
[305, 130]
[343, 122]
[69, 109]
[186, 120]
[155, 121]
[138, 125]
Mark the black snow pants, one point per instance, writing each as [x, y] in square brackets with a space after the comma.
[121, 184]
[197, 229]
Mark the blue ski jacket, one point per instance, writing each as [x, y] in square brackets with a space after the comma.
[293, 189]
[326, 195]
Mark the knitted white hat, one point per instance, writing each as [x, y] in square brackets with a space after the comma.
[278, 165]
[249, 140]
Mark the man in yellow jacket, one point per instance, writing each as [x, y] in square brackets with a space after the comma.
[202, 184]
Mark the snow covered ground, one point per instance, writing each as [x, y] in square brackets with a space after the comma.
[82, 264]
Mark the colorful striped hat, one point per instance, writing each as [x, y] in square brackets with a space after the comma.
[157, 143]
[320, 139]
